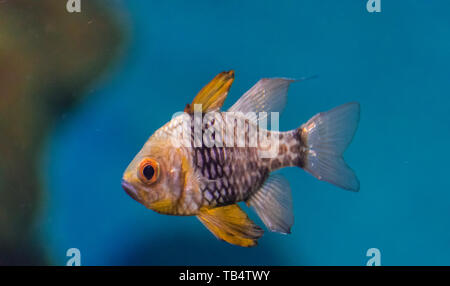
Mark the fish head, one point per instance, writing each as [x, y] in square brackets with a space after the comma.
[154, 176]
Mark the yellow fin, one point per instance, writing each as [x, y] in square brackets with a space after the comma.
[162, 206]
[231, 223]
[212, 95]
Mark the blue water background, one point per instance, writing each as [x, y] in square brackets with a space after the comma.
[395, 63]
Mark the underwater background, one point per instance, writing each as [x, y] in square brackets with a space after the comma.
[81, 93]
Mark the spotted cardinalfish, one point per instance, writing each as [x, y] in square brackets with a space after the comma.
[209, 182]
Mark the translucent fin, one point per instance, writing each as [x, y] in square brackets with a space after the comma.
[326, 136]
[268, 94]
[212, 95]
[273, 204]
[231, 224]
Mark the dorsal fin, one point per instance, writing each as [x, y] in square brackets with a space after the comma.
[267, 95]
[212, 95]
[231, 223]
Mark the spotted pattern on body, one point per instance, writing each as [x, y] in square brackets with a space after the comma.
[292, 151]
[233, 174]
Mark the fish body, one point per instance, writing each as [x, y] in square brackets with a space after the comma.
[228, 175]
[181, 171]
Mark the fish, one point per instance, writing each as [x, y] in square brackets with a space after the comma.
[179, 172]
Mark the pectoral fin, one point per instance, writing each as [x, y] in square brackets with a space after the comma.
[231, 223]
[212, 95]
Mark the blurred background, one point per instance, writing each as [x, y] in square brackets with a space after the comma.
[80, 93]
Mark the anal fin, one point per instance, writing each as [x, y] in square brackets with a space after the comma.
[231, 224]
[273, 204]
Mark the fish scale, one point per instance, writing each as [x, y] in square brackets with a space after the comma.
[228, 181]
[231, 174]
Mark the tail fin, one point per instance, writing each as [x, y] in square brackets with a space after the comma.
[326, 136]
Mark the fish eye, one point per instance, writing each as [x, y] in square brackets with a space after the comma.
[149, 171]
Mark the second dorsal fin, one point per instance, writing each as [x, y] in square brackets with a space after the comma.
[267, 95]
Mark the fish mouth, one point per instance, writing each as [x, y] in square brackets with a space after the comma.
[130, 190]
